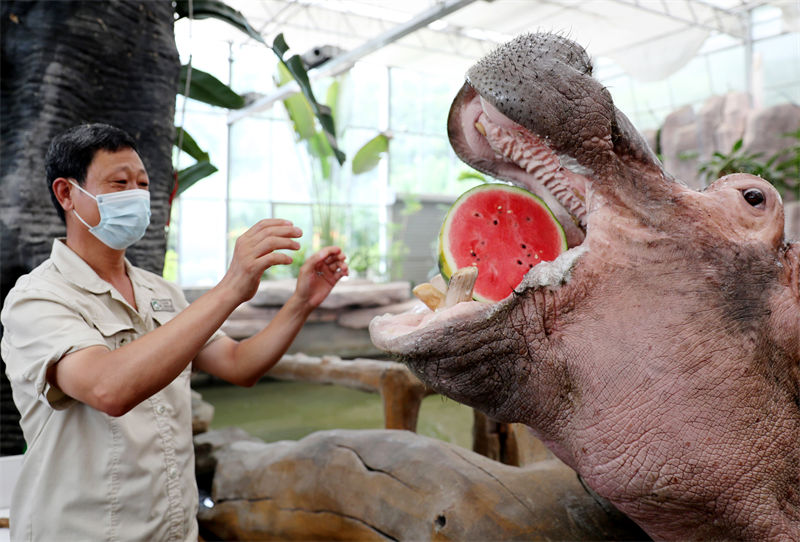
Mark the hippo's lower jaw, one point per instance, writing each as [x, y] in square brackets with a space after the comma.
[399, 334]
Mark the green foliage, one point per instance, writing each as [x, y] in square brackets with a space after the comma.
[330, 219]
[205, 9]
[288, 271]
[190, 175]
[782, 169]
[170, 271]
[472, 175]
[206, 88]
[370, 154]
[294, 65]
[200, 169]
[188, 144]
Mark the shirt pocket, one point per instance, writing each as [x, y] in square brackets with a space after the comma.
[162, 317]
[116, 334]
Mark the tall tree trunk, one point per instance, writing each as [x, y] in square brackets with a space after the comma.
[65, 63]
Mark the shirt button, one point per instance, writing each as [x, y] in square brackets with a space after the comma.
[161, 409]
[173, 472]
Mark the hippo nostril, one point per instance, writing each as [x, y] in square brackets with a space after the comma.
[753, 196]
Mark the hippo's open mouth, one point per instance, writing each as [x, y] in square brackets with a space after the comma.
[491, 142]
[494, 130]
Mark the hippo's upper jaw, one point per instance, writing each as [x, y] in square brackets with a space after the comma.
[660, 356]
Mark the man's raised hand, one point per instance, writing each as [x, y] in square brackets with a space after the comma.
[255, 252]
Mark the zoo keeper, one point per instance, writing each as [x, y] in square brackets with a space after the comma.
[99, 353]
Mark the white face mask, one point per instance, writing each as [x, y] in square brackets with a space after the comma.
[124, 216]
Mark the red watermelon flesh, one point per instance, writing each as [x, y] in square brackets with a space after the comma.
[504, 231]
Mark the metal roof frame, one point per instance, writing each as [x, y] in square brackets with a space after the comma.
[345, 61]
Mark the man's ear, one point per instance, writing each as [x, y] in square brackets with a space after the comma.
[63, 191]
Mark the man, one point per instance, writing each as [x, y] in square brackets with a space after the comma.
[99, 353]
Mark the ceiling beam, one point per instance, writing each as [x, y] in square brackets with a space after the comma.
[346, 60]
[715, 25]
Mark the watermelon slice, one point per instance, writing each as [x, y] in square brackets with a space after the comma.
[504, 231]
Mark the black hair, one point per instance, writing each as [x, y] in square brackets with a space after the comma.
[72, 151]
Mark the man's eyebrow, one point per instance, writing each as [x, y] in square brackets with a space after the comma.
[126, 169]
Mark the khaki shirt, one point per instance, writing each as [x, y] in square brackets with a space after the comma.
[87, 475]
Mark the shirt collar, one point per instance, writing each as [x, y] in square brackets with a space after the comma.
[80, 273]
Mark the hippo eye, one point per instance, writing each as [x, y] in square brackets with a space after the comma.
[753, 196]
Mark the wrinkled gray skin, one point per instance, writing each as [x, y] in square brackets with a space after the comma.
[659, 358]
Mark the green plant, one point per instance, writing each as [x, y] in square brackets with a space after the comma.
[328, 217]
[204, 87]
[782, 169]
[472, 175]
[288, 271]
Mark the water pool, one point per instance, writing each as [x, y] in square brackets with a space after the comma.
[279, 410]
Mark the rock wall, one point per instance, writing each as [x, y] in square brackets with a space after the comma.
[689, 138]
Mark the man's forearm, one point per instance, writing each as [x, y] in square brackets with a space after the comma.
[245, 362]
[116, 381]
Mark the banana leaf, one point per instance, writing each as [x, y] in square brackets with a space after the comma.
[319, 147]
[369, 155]
[332, 99]
[295, 66]
[298, 108]
[205, 9]
[206, 88]
[190, 146]
[190, 175]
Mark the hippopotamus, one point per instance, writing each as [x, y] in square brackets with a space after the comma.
[659, 356]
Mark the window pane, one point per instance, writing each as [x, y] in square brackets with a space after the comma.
[727, 71]
[423, 165]
[361, 96]
[201, 247]
[420, 102]
[780, 60]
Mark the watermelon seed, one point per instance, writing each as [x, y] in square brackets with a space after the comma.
[495, 222]
[523, 246]
[530, 266]
[519, 262]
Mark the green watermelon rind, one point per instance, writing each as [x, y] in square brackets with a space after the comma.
[444, 266]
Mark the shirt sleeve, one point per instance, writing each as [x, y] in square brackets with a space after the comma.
[39, 330]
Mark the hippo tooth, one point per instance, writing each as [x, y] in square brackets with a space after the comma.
[552, 274]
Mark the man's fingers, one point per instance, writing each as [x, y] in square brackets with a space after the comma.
[277, 231]
[273, 258]
[269, 223]
[272, 243]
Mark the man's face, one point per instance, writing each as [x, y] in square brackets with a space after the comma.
[109, 172]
